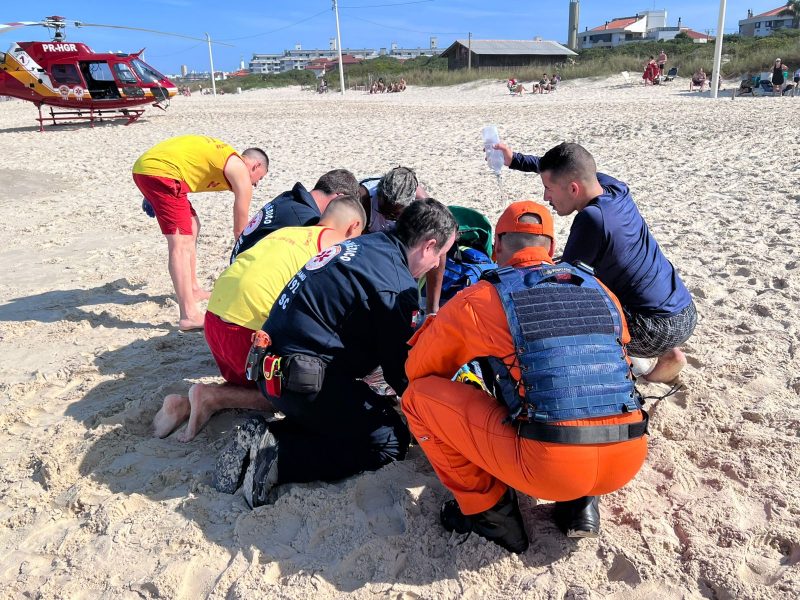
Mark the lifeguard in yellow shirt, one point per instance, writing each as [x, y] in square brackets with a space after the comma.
[240, 303]
[171, 169]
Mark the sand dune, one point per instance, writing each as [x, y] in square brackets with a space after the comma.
[91, 505]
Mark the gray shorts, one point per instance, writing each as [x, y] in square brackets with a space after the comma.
[652, 335]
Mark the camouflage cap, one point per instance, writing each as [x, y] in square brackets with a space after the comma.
[398, 186]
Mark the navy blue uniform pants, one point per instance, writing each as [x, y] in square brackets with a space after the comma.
[344, 429]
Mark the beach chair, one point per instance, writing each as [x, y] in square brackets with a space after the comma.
[626, 77]
[671, 74]
[747, 86]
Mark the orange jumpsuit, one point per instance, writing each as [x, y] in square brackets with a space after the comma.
[462, 430]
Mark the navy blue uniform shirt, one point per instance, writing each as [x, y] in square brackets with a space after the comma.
[611, 236]
[352, 305]
[295, 208]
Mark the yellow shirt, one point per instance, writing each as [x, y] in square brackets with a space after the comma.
[197, 160]
[246, 290]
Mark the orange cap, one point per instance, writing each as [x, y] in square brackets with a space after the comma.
[509, 220]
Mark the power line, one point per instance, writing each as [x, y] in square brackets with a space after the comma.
[393, 4]
[406, 29]
[176, 52]
[247, 37]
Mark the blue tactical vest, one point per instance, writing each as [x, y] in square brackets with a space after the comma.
[567, 335]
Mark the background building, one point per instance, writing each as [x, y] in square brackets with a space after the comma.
[646, 25]
[765, 23]
[298, 58]
[505, 53]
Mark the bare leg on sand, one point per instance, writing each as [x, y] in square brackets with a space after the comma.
[197, 290]
[203, 401]
[182, 258]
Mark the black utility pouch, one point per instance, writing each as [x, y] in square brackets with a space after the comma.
[302, 374]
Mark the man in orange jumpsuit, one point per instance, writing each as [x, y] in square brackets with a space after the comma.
[565, 422]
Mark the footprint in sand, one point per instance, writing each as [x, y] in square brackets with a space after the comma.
[622, 569]
[380, 507]
[767, 558]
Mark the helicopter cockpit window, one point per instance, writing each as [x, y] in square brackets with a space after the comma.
[66, 75]
[99, 80]
[124, 74]
[147, 73]
[100, 71]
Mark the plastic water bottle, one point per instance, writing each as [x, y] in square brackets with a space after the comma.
[493, 156]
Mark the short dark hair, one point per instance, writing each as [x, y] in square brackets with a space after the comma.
[569, 159]
[348, 202]
[423, 220]
[338, 181]
[259, 154]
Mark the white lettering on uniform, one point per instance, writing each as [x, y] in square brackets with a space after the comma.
[350, 250]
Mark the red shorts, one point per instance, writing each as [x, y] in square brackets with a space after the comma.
[229, 344]
[168, 197]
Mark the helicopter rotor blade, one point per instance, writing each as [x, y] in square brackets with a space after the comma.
[179, 35]
[4, 27]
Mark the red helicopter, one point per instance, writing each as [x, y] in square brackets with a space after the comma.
[80, 83]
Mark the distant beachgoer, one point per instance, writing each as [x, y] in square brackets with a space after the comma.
[777, 75]
[698, 80]
[171, 169]
[544, 84]
[661, 62]
[650, 72]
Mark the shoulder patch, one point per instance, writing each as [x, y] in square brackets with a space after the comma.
[323, 258]
[254, 223]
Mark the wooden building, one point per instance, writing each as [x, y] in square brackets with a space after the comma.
[505, 53]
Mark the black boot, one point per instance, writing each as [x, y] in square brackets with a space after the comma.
[501, 524]
[262, 472]
[233, 460]
[579, 518]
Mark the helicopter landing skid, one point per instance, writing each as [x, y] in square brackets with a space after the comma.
[91, 115]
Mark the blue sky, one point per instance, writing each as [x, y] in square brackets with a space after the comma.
[273, 26]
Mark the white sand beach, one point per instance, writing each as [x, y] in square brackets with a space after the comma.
[93, 506]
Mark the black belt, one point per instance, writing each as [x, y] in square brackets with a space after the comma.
[588, 434]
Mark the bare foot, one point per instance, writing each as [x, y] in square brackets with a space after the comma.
[174, 411]
[201, 294]
[190, 323]
[199, 414]
[668, 367]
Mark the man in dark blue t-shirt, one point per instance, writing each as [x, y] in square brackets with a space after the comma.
[610, 235]
[296, 208]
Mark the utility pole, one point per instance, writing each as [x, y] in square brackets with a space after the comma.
[211, 60]
[469, 52]
[339, 46]
[716, 77]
